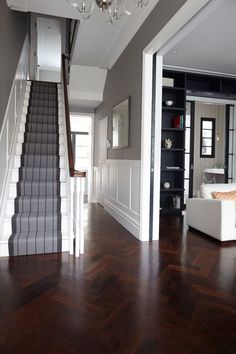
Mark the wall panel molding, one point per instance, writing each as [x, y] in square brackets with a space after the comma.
[121, 197]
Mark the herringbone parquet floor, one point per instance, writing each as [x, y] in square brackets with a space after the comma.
[175, 296]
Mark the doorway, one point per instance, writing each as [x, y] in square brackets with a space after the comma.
[46, 48]
[205, 145]
[82, 143]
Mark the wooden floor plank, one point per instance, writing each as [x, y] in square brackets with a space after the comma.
[174, 296]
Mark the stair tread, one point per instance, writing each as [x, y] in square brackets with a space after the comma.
[9, 217]
[37, 198]
[39, 214]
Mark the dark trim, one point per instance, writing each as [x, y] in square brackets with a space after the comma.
[213, 120]
[227, 115]
[192, 136]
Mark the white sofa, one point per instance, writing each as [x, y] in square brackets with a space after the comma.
[214, 217]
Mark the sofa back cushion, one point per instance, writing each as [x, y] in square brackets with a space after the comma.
[206, 190]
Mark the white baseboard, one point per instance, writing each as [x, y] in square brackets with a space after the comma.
[123, 218]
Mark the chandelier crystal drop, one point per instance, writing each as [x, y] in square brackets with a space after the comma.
[114, 8]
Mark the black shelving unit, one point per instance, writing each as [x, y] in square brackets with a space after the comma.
[174, 156]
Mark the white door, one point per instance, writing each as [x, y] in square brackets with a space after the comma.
[102, 156]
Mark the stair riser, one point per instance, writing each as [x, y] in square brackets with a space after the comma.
[13, 190]
[17, 162]
[59, 96]
[11, 206]
[19, 150]
[7, 225]
[24, 118]
[16, 173]
[4, 252]
[25, 111]
[20, 139]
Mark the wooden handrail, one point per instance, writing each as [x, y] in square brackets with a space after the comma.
[73, 172]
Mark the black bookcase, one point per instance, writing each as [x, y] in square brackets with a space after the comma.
[173, 128]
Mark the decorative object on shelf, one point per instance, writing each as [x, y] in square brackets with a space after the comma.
[166, 185]
[169, 103]
[114, 8]
[168, 82]
[120, 124]
[178, 121]
[168, 143]
[175, 201]
[172, 167]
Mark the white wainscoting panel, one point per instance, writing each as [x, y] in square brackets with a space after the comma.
[112, 180]
[9, 128]
[120, 191]
[124, 184]
[135, 194]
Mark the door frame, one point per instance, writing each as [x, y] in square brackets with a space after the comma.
[187, 18]
[99, 191]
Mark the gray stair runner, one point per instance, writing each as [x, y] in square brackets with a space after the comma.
[36, 224]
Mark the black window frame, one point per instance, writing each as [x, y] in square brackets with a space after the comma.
[213, 120]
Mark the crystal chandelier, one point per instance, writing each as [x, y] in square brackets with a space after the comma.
[114, 8]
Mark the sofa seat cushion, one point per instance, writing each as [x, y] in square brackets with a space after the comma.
[206, 190]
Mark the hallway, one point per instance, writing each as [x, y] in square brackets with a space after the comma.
[176, 296]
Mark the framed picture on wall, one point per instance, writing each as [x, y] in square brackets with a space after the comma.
[120, 124]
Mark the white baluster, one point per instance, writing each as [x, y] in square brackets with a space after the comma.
[71, 215]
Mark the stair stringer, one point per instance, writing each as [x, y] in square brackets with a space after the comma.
[4, 252]
[64, 160]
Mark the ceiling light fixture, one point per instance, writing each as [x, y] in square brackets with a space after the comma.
[114, 8]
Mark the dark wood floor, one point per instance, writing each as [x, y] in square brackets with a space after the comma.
[175, 296]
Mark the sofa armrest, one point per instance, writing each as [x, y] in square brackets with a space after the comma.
[213, 217]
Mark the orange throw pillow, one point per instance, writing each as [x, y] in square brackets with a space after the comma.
[225, 195]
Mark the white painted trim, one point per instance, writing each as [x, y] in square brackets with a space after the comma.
[157, 150]
[123, 218]
[20, 76]
[176, 23]
[91, 177]
[198, 71]
[210, 100]
[146, 127]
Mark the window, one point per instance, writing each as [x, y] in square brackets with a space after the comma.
[207, 142]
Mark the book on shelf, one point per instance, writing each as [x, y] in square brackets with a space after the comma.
[178, 121]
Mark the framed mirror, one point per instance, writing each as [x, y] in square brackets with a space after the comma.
[120, 124]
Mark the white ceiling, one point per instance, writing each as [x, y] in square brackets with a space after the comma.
[49, 43]
[100, 44]
[59, 8]
[211, 46]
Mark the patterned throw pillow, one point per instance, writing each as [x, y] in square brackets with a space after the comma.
[225, 195]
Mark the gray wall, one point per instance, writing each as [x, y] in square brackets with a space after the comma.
[125, 79]
[13, 28]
